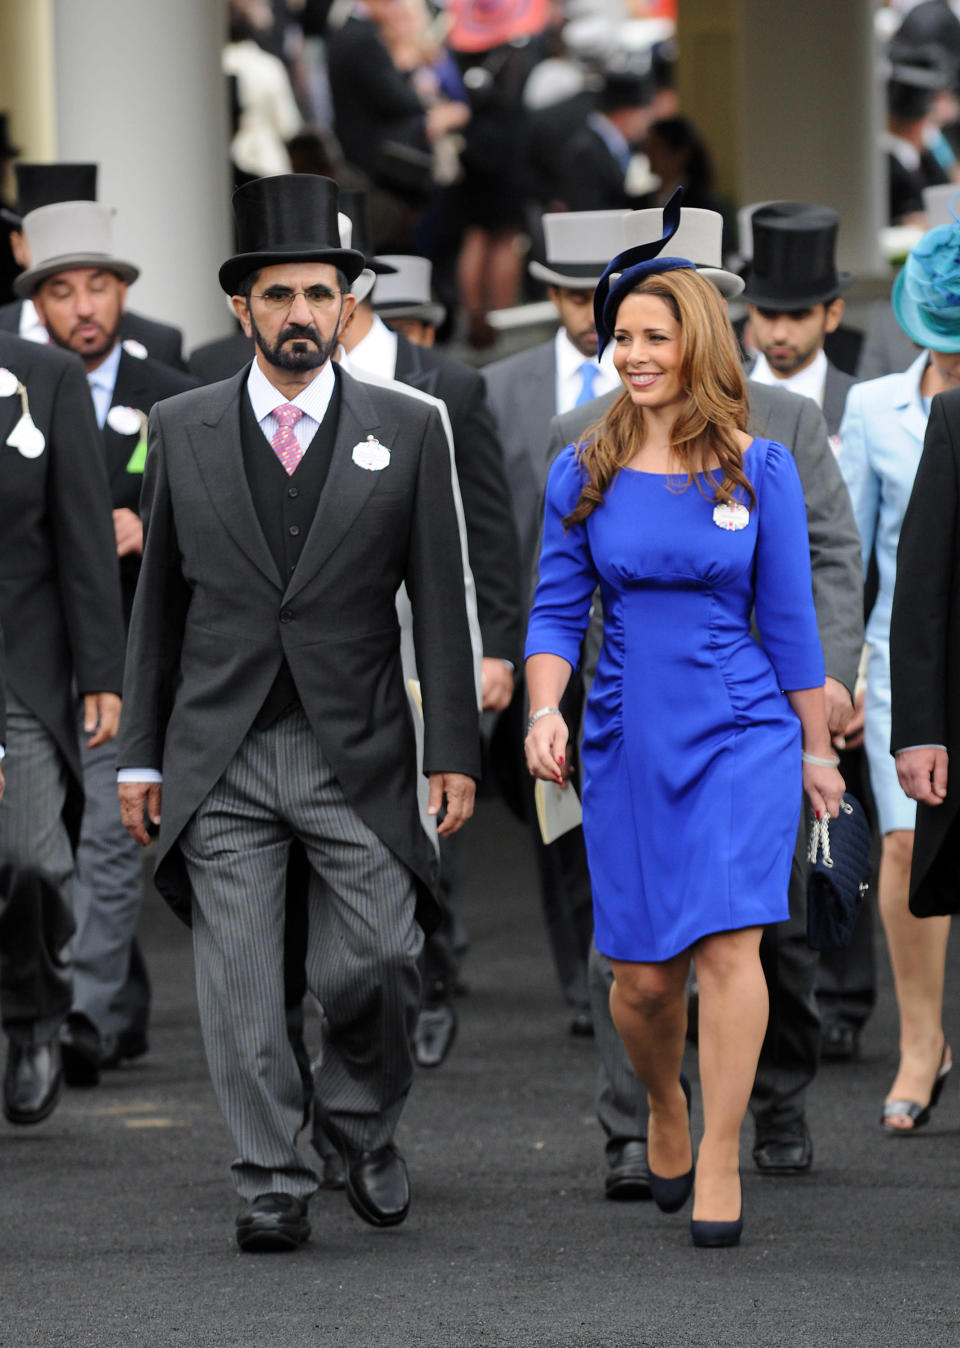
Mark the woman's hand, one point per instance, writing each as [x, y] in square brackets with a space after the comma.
[546, 748]
[824, 788]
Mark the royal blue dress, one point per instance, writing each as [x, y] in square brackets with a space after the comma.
[691, 751]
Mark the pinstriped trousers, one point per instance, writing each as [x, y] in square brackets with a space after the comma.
[363, 944]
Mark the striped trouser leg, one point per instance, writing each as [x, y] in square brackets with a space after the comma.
[235, 848]
[362, 949]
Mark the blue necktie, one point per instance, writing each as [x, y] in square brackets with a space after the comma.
[588, 372]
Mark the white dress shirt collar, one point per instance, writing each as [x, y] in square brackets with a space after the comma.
[376, 351]
[809, 381]
[567, 362]
[313, 401]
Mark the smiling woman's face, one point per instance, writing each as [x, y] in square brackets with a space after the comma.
[647, 351]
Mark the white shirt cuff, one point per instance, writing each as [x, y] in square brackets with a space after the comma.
[139, 775]
[2, 753]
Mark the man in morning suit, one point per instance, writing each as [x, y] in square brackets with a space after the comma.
[494, 561]
[925, 666]
[526, 391]
[43, 185]
[78, 288]
[282, 510]
[788, 1060]
[598, 155]
[61, 616]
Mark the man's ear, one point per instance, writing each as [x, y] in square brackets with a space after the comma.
[242, 310]
[835, 311]
[349, 303]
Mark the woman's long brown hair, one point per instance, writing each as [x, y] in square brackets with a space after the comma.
[715, 407]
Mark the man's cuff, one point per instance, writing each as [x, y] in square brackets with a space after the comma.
[139, 775]
[909, 747]
[2, 753]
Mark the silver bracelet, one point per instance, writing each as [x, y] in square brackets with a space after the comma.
[820, 762]
[544, 711]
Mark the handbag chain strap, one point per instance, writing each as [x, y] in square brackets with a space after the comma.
[820, 837]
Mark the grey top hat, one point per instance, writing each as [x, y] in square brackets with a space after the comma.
[405, 293]
[70, 234]
[579, 245]
[698, 238]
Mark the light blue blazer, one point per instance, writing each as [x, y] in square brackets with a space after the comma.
[881, 439]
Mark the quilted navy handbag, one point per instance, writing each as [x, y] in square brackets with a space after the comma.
[839, 875]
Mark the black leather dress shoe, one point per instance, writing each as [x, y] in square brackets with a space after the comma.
[628, 1176]
[31, 1082]
[838, 1042]
[80, 1050]
[784, 1150]
[272, 1222]
[434, 1033]
[376, 1181]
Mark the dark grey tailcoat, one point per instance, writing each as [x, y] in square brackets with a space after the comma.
[213, 619]
[925, 651]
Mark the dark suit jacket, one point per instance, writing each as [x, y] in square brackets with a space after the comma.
[373, 101]
[796, 422]
[162, 341]
[213, 619]
[59, 589]
[491, 537]
[220, 359]
[594, 178]
[140, 384]
[835, 389]
[925, 651]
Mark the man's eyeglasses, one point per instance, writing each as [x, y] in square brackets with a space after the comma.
[278, 299]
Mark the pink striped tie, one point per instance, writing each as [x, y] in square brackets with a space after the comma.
[284, 442]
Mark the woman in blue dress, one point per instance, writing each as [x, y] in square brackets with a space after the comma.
[693, 757]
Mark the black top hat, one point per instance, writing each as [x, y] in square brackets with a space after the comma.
[291, 217]
[7, 151]
[793, 264]
[47, 185]
[355, 205]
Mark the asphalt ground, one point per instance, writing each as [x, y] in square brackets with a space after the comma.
[116, 1214]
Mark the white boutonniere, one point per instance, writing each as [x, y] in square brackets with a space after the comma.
[370, 454]
[26, 436]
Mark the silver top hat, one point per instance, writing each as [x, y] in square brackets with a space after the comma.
[699, 238]
[579, 245]
[406, 293]
[70, 234]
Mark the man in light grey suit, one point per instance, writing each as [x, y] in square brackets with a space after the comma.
[788, 1060]
[282, 510]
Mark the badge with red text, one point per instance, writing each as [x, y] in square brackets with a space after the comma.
[370, 454]
[731, 515]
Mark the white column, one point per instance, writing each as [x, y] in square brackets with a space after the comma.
[140, 91]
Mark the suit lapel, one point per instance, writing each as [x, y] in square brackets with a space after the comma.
[215, 440]
[347, 486]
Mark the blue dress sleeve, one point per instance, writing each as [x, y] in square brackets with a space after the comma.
[783, 588]
[568, 578]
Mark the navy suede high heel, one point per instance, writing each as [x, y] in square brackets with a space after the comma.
[715, 1234]
[671, 1194]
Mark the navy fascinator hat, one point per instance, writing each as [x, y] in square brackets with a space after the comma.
[630, 267]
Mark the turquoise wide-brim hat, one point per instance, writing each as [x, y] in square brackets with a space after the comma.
[926, 294]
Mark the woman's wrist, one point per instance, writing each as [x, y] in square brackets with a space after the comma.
[824, 760]
[540, 713]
